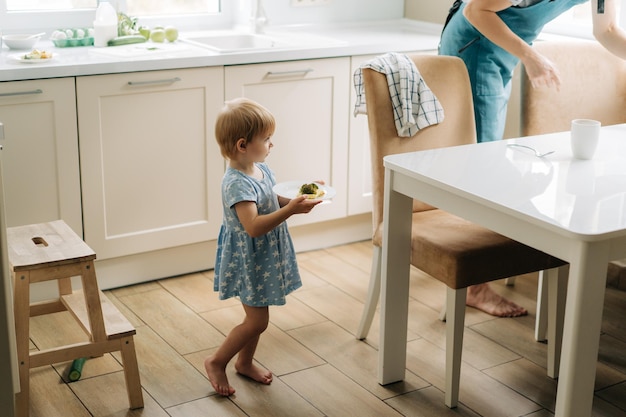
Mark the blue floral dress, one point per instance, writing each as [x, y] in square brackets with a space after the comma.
[260, 271]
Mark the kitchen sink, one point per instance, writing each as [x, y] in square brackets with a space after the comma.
[225, 43]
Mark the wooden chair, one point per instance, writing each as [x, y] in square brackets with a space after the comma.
[592, 85]
[52, 251]
[450, 249]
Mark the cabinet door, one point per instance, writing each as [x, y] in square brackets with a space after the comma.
[360, 173]
[151, 169]
[40, 163]
[310, 102]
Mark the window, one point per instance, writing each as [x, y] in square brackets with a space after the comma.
[171, 7]
[23, 5]
[24, 16]
[133, 7]
[187, 14]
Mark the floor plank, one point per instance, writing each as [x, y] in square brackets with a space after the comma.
[320, 369]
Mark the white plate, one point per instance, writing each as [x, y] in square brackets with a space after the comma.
[20, 58]
[290, 189]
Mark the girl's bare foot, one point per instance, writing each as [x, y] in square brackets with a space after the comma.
[256, 373]
[484, 298]
[217, 377]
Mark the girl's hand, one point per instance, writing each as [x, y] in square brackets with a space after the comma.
[301, 204]
[256, 224]
[542, 72]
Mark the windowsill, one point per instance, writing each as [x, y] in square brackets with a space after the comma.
[546, 36]
[568, 31]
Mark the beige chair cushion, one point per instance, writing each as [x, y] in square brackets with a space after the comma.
[460, 253]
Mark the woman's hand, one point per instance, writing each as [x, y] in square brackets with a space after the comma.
[541, 71]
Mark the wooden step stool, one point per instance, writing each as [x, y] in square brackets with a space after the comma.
[52, 251]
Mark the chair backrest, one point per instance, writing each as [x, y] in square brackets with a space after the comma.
[448, 79]
[593, 86]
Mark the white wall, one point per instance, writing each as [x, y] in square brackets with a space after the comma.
[427, 10]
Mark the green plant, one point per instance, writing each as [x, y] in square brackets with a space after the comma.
[126, 25]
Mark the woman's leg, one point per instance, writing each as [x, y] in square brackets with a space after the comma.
[254, 323]
[490, 112]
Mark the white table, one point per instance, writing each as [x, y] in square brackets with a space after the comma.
[574, 210]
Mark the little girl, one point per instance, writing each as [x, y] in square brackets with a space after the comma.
[256, 260]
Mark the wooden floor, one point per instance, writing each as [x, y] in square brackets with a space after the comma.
[320, 368]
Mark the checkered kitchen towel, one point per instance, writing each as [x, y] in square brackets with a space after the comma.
[414, 104]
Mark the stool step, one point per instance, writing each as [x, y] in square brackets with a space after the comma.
[115, 324]
[45, 245]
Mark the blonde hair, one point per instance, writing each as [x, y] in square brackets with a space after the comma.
[241, 118]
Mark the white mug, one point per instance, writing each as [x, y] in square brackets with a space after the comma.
[585, 134]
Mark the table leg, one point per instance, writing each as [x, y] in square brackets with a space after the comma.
[581, 330]
[557, 287]
[394, 298]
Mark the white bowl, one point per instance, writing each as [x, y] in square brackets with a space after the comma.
[20, 41]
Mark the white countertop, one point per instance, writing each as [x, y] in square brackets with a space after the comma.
[318, 41]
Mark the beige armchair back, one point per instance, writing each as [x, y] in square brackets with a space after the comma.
[447, 77]
[593, 87]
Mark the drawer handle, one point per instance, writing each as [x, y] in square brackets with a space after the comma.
[288, 73]
[165, 81]
[22, 93]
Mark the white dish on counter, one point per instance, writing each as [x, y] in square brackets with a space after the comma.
[21, 58]
[24, 42]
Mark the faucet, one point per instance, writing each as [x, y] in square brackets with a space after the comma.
[258, 18]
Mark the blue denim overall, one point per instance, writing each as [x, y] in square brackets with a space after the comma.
[491, 67]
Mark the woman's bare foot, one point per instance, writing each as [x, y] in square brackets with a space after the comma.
[484, 298]
[256, 373]
[217, 377]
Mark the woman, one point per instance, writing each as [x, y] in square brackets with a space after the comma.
[492, 37]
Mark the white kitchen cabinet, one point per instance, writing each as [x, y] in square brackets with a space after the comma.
[151, 170]
[310, 101]
[360, 172]
[40, 156]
